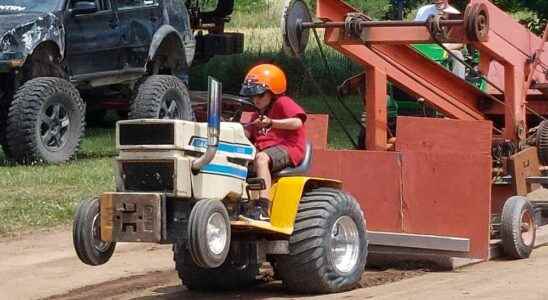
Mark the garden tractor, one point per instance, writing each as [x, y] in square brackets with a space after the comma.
[187, 183]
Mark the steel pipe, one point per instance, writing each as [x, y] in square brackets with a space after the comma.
[305, 25]
[213, 124]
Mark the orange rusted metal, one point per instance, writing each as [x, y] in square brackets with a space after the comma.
[387, 48]
[438, 181]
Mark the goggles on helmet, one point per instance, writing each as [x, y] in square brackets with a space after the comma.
[252, 88]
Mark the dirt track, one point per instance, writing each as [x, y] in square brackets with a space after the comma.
[44, 265]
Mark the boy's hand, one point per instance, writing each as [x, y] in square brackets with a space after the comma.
[263, 122]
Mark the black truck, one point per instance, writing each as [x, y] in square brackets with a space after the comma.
[59, 58]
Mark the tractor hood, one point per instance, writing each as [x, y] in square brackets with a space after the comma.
[21, 32]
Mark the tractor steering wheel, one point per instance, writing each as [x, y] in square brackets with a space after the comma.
[239, 105]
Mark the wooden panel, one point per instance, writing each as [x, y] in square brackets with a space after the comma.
[525, 164]
[372, 177]
[107, 218]
[447, 179]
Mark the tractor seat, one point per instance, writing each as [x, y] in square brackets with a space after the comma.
[300, 169]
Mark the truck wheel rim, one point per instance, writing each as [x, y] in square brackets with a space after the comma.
[527, 228]
[98, 244]
[216, 233]
[54, 126]
[344, 244]
[169, 109]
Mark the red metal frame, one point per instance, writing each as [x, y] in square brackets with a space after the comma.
[438, 181]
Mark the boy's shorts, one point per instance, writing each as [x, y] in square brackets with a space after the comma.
[279, 158]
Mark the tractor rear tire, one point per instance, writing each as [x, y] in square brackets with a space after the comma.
[209, 219]
[542, 143]
[518, 227]
[231, 275]
[325, 217]
[5, 102]
[46, 121]
[162, 97]
[86, 232]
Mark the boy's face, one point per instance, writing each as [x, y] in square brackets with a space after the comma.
[440, 5]
[262, 101]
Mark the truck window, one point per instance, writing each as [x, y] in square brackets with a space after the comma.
[129, 4]
[101, 4]
[208, 5]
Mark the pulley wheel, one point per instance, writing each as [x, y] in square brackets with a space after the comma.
[295, 38]
[476, 22]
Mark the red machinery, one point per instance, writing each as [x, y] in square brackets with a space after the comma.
[447, 188]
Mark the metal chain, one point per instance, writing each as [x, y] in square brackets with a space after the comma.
[332, 77]
[332, 113]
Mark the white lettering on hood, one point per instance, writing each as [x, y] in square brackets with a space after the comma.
[12, 8]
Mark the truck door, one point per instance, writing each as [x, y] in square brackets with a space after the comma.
[139, 20]
[93, 39]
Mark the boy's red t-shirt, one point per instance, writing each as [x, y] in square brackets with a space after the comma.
[293, 140]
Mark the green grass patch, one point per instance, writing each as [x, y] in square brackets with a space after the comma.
[43, 196]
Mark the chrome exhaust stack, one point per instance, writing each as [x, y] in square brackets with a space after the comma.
[215, 92]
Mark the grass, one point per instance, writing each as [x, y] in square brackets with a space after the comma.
[43, 196]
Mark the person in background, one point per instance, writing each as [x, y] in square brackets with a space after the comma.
[442, 7]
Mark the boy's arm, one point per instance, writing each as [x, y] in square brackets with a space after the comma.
[286, 124]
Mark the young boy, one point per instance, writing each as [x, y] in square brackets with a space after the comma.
[277, 130]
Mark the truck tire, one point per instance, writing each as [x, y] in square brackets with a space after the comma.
[161, 97]
[5, 103]
[46, 121]
[327, 219]
[231, 275]
[86, 235]
[518, 228]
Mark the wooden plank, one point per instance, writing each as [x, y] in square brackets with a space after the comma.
[106, 209]
[419, 241]
[525, 164]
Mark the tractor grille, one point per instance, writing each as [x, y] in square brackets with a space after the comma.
[147, 134]
[153, 176]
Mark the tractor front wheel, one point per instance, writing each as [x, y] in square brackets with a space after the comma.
[86, 234]
[209, 233]
[328, 247]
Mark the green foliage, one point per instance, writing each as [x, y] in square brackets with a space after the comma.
[532, 12]
[265, 46]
